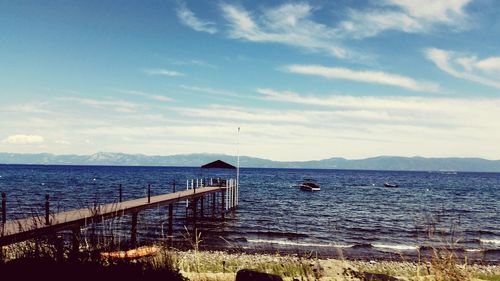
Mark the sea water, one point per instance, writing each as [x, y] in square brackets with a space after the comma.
[353, 214]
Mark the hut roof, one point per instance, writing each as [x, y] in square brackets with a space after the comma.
[218, 165]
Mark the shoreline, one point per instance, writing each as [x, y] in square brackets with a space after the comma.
[221, 265]
[217, 265]
[359, 253]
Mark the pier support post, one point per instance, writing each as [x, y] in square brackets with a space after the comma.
[133, 230]
[195, 206]
[120, 192]
[149, 193]
[235, 194]
[223, 207]
[47, 209]
[75, 241]
[4, 208]
[59, 244]
[233, 197]
[213, 205]
[201, 206]
[170, 231]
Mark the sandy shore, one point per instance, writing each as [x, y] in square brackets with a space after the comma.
[217, 265]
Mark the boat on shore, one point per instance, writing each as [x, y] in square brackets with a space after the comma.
[309, 185]
[389, 184]
[132, 254]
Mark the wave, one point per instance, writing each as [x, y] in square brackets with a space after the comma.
[299, 244]
[490, 241]
[396, 247]
[474, 250]
[277, 234]
[362, 245]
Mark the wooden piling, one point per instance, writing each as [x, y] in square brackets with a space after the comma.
[133, 230]
[234, 197]
[4, 207]
[47, 209]
[202, 198]
[170, 219]
[213, 205]
[195, 206]
[59, 245]
[149, 193]
[120, 192]
[75, 243]
[223, 207]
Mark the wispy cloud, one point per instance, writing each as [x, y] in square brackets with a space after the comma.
[188, 18]
[146, 95]
[411, 16]
[243, 114]
[361, 125]
[289, 24]
[435, 109]
[485, 71]
[366, 76]
[340, 101]
[24, 139]
[117, 105]
[294, 24]
[211, 91]
[162, 72]
[193, 62]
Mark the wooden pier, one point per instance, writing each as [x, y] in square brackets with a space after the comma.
[223, 193]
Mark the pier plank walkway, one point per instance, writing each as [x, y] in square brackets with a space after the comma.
[18, 230]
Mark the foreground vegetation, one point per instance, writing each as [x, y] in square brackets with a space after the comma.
[167, 264]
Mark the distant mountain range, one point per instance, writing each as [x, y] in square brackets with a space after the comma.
[195, 160]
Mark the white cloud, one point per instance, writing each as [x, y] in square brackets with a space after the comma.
[342, 101]
[188, 18]
[293, 24]
[310, 126]
[211, 91]
[24, 139]
[449, 11]
[193, 62]
[146, 95]
[162, 72]
[117, 105]
[486, 71]
[411, 16]
[289, 24]
[62, 142]
[366, 76]
[244, 114]
[489, 65]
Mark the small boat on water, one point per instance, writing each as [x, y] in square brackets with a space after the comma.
[309, 185]
[388, 184]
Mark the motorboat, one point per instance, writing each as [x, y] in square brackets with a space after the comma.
[388, 184]
[309, 185]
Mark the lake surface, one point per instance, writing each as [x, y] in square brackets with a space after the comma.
[353, 215]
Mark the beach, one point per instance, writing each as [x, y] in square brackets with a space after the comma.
[217, 265]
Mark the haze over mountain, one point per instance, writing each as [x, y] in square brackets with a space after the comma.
[195, 160]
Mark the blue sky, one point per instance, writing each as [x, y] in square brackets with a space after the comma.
[303, 79]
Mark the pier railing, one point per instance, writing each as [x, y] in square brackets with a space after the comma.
[230, 196]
